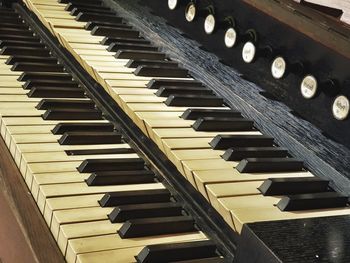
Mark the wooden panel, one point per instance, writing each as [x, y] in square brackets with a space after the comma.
[37, 235]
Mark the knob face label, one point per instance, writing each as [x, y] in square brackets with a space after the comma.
[190, 12]
[248, 52]
[278, 68]
[308, 87]
[209, 24]
[230, 37]
[340, 108]
[172, 4]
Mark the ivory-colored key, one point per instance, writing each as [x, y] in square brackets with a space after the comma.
[241, 216]
[17, 98]
[109, 242]
[69, 202]
[60, 190]
[177, 156]
[86, 229]
[216, 191]
[55, 178]
[109, 256]
[77, 215]
[205, 165]
[29, 169]
[30, 129]
[54, 147]
[204, 178]
[57, 158]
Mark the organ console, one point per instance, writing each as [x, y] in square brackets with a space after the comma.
[178, 131]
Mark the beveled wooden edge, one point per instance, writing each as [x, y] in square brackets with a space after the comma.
[34, 228]
[319, 27]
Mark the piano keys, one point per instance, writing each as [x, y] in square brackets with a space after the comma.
[217, 149]
[57, 141]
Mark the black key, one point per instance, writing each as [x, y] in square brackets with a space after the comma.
[46, 104]
[96, 165]
[293, 185]
[100, 151]
[4, 10]
[75, 11]
[203, 260]
[38, 67]
[223, 124]
[177, 252]
[19, 38]
[87, 17]
[166, 63]
[167, 91]
[139, 54]
[62, 128]
[88, 138]
[8, 14]
[11, 19]
[80, 2]
[27, 51]
[72, 114]
[312, 201]
[118, 46]
[157, 83]
[31, 59]
[109, 40]
[92, 25]
[135, 197]
[223, 142]
[13, 25]
[44, 76]
[48, 83]
[114, 32]
[13, 43]
[269, 165]
[70, 6]
[194, 114]
[121, 177]
[126, 212]
[160, 71]
[16, 32]
[156, 226]
[239, 153]
[194, 101]
[58, 92]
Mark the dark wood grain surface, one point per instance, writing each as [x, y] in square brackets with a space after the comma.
[310, 240]
[323, 156]
[27, 238]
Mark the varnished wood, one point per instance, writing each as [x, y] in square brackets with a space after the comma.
[37, 234]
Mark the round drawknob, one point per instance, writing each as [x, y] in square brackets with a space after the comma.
[341, 107]
[281, 67]
[278, 67]
[172, 4]
[230, 37]
[309, 87]
[190, 12]
[209, 24]
[250, 52]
